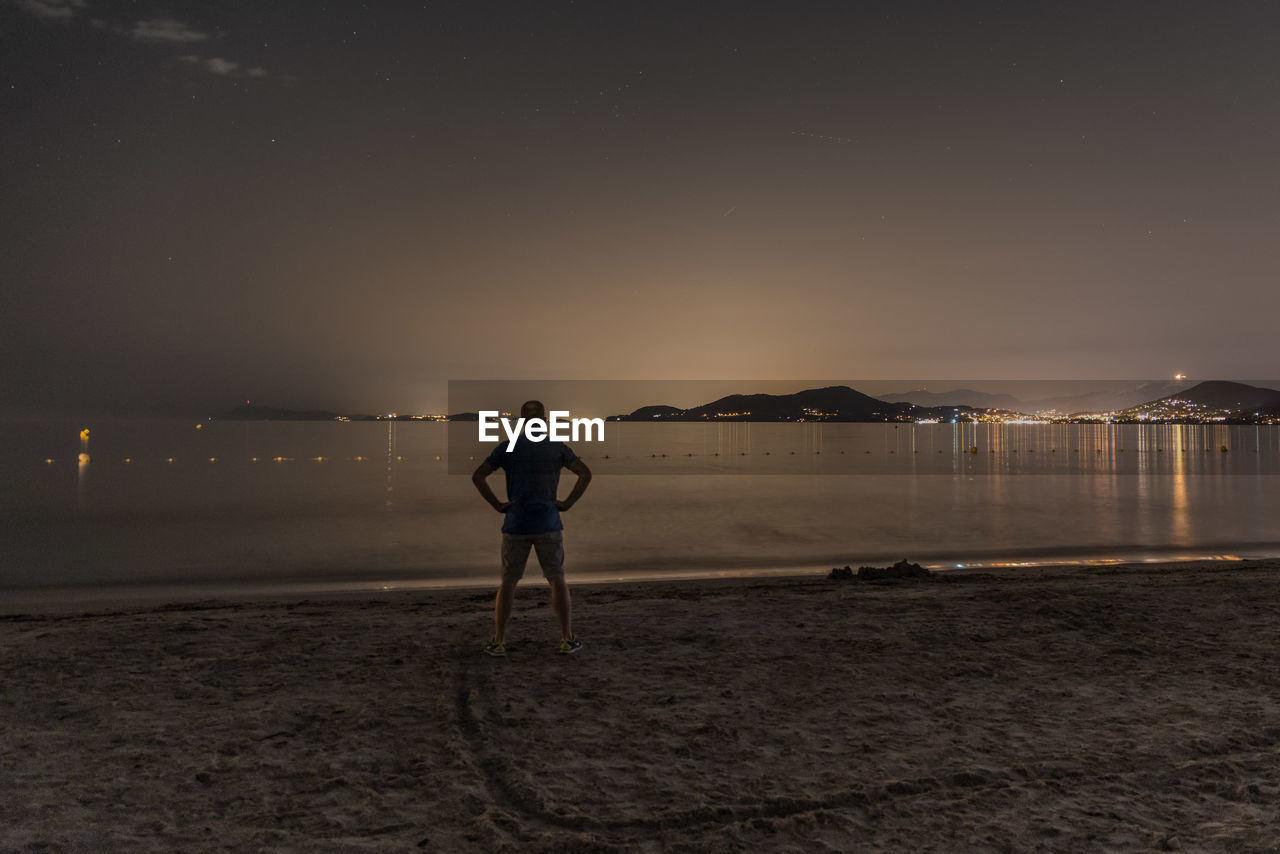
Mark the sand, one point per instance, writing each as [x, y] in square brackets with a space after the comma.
[1084, 709]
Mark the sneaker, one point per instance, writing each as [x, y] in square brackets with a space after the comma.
[495, 648]
[568, 646]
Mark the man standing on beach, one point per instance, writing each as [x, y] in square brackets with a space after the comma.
[532, 520]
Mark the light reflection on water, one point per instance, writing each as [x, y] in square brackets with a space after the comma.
[308, 503]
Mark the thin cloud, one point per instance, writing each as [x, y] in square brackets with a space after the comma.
[165, 30]
[225, 67]
[221, 67]
[161, 30]
[50, 10]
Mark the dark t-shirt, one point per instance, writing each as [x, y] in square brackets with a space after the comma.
[533, 475]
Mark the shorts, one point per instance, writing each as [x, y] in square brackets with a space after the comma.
[550, 549]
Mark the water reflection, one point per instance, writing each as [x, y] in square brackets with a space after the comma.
[1076, 493]
[391, 453]
[82, 470]
[1180, 527]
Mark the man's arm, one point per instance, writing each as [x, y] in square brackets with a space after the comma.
[579, 468]
[482, 486]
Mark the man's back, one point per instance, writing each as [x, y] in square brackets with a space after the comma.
[532, 471]
[532, 521]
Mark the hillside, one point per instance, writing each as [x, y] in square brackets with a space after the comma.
[832, 403]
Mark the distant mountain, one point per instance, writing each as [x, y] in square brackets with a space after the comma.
[648, 413]
[956, 397]
[1219, 394]
[1111, 399]
[1215, 398]
[833, 403]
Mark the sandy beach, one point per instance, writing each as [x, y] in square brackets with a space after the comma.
[1123, 708]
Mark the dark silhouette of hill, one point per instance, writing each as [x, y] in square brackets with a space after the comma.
[1221, 394]
[648, 413]
[832, 403]
[1215, 400]
[1106, 400]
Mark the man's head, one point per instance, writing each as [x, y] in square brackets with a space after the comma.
[533, 409]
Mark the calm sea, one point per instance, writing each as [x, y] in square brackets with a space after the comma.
[256, 506]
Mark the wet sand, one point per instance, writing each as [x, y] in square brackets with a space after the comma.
[1133, 707]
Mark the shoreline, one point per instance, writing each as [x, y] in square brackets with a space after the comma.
[38, 601]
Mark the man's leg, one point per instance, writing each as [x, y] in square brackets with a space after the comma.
[550, 549]
[515, 552]
[560, 604]
[502, 606]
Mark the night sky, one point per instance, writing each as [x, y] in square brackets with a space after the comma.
[345, 205]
